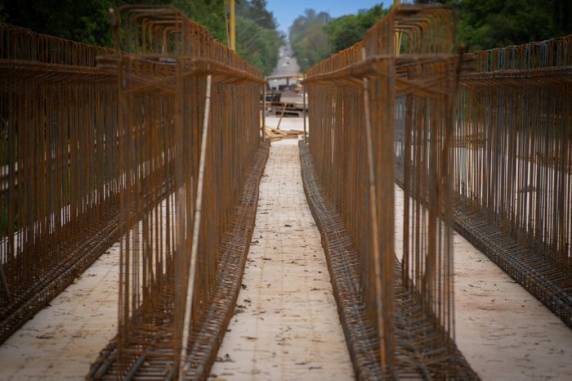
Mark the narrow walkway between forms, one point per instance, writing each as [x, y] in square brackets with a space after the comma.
[286, 325]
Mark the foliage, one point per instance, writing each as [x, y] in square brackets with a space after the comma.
[314, 36]
[255, 10]
[486, 24]
[209, 13]
[345, 31]
[308, 38]
[257, 37]
[84, 21]
[88, 21]
[482, 24]
[2, 13]
[259, 44]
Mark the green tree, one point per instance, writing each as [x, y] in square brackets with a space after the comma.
[85, 20]
[258, 40]
[486, 24]
[308, 38]
[208, 13]
[255, 10]
[345, 31]
[259, 44]
[314, 36]
[2, 14]
[481, 24]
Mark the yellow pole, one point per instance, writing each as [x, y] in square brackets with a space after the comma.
[398, 35]
[231, 4]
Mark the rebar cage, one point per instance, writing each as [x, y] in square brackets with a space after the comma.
[409, 56]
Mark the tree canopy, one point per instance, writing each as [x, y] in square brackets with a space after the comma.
[486, 24]
[314, 36]
[345, 31]
[308, 38]
[481, 24]
[258, 40]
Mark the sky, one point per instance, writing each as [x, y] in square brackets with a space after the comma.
[285, 11]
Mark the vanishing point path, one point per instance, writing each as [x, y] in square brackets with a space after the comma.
[286, 325]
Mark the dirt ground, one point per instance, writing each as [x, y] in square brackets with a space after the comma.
[503, 331]
[286, 325]
[61, 341]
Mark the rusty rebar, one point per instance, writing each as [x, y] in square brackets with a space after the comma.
[59, 188]
[513, 160]
[97, 143]
[353, 96]
[170, 73]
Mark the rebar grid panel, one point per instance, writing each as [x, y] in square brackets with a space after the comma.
[408, 54]
[513, 154]
[58, 179]
[19, 44]
[514, 143]
[174, 266]
[419, 351]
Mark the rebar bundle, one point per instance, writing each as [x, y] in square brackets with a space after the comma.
[407, 57]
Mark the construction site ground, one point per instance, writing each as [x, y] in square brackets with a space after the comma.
[286, 324]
